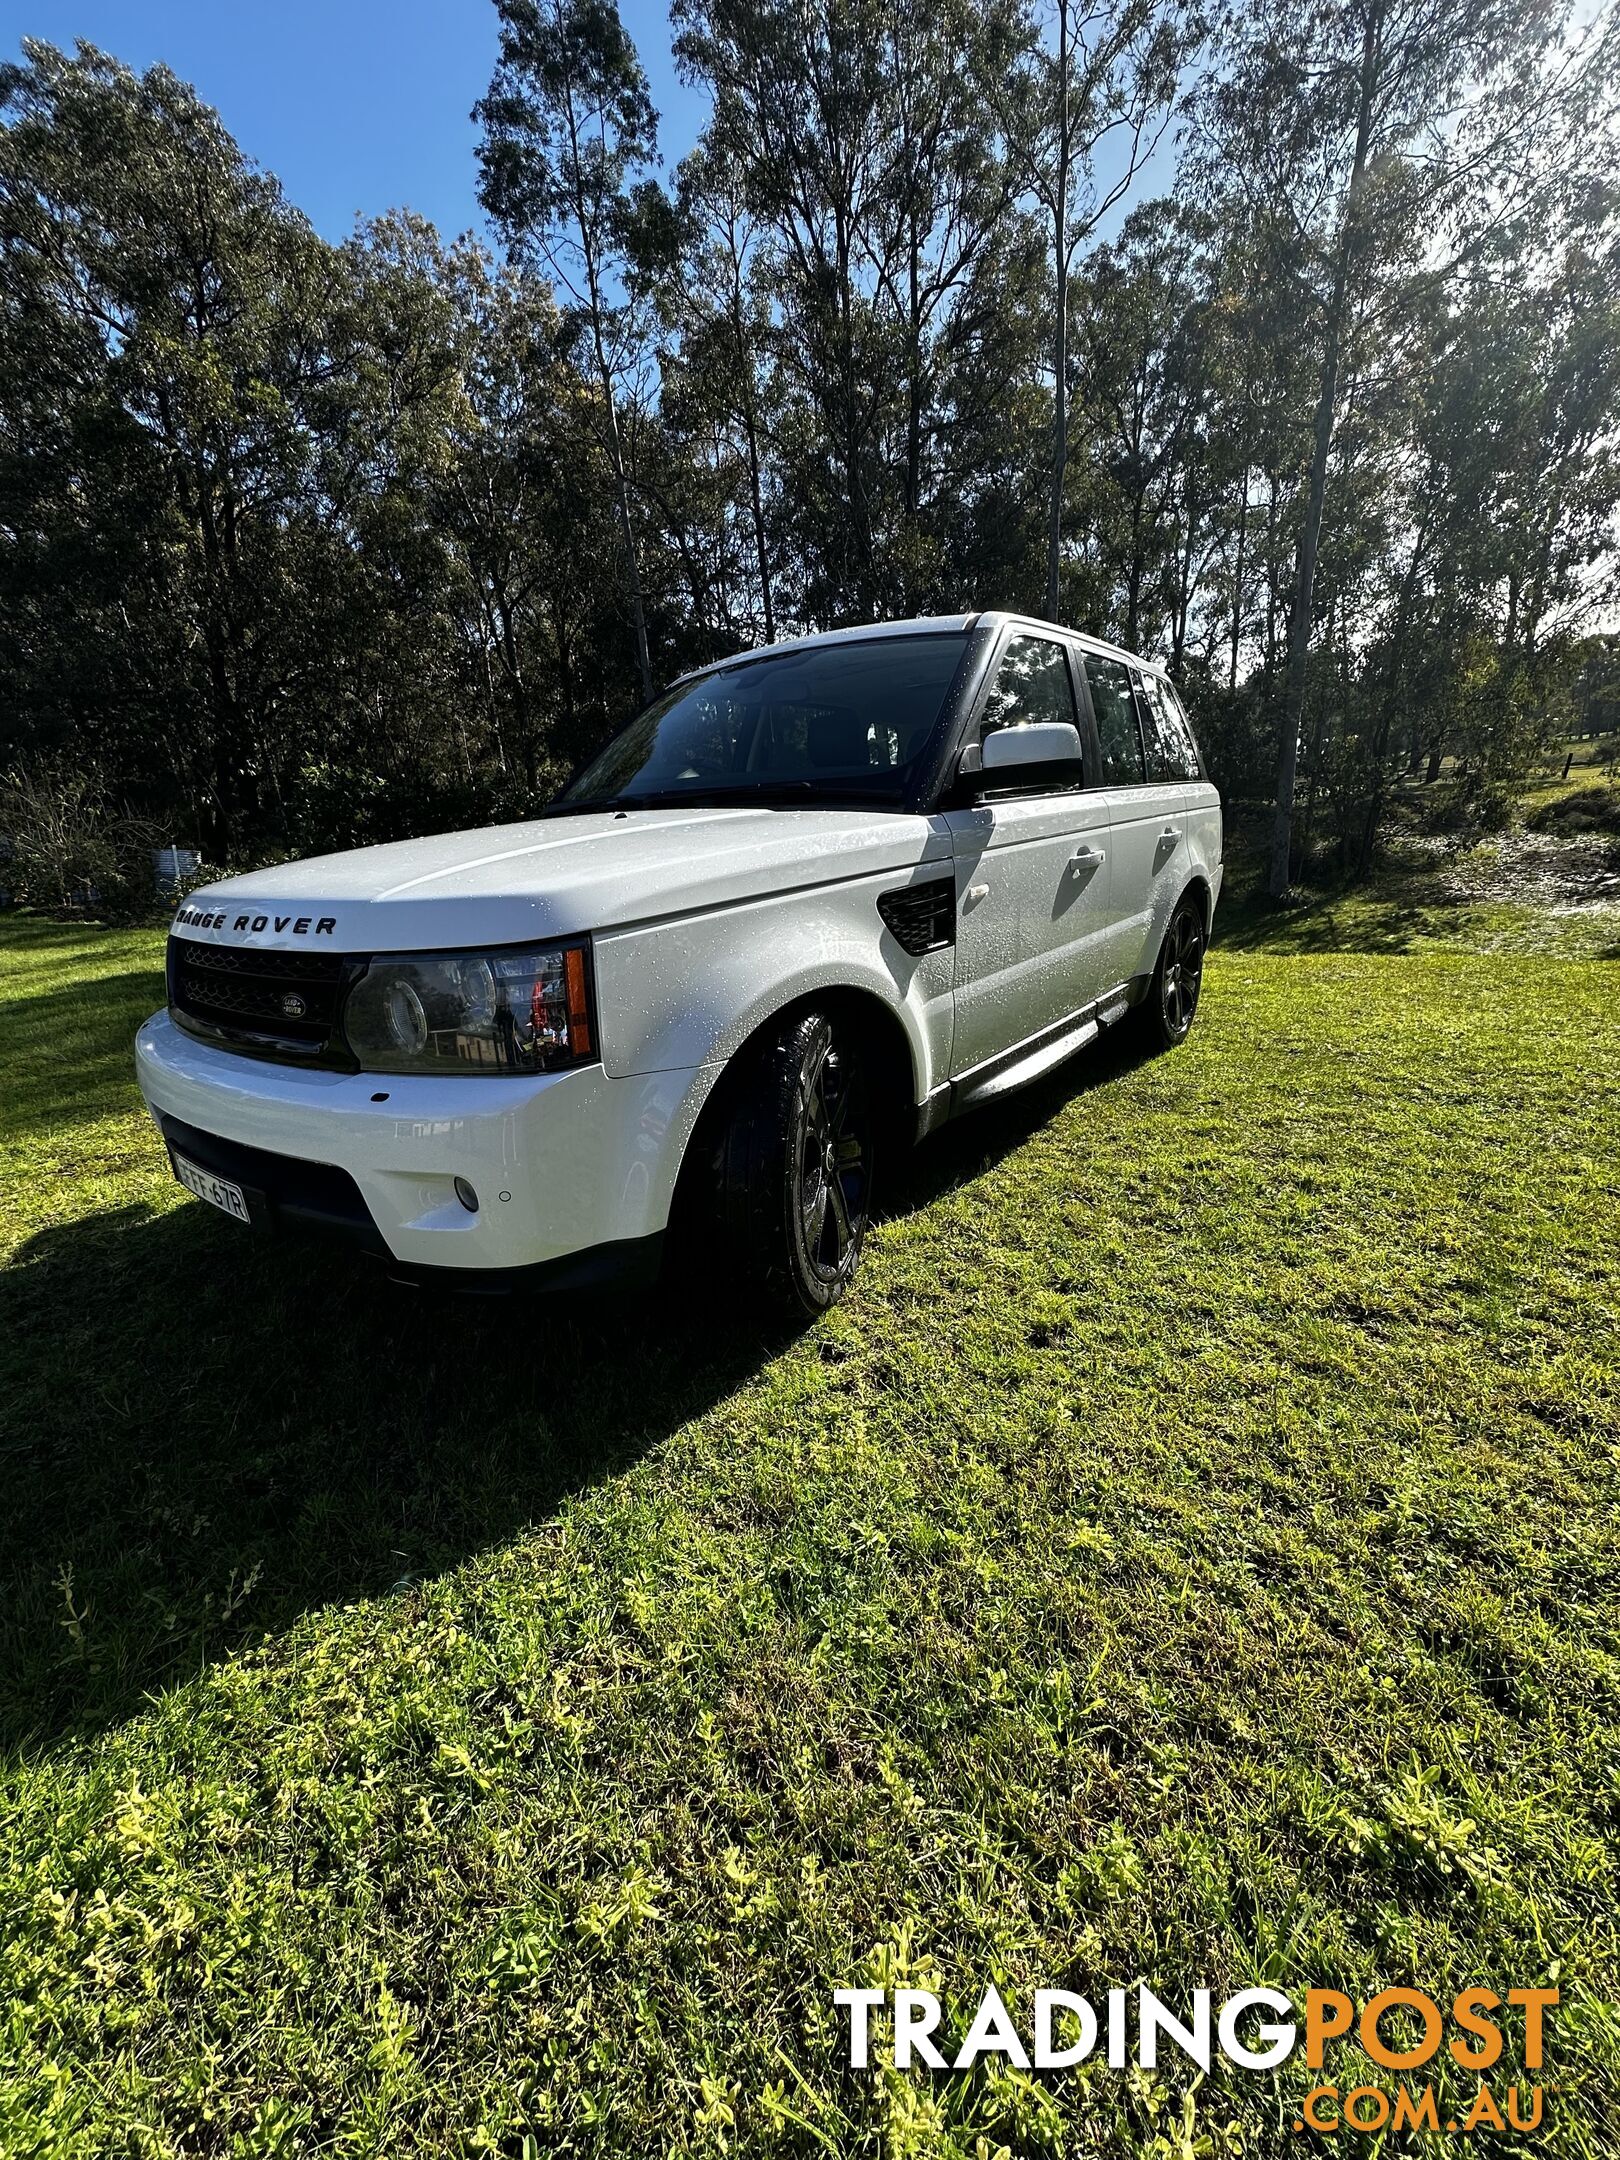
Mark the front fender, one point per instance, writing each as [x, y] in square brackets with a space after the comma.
[690, 992]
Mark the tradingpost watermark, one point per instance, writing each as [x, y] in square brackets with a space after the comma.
[1495, 2038]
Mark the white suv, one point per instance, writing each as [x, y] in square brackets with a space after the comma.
[811, 901]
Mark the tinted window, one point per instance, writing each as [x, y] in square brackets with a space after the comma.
[1115, 708]
[1178, 714]
[1031, 683]
[1169, 748]
[828, 721]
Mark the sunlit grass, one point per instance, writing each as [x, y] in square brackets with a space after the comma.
[1191, 1553]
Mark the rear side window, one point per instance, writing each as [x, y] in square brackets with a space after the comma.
[1178, 713]
[1115, 708]
[1031, 683]
[1170, 754]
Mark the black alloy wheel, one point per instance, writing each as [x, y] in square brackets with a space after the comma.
[1165, 1016]
[789, 1163]
[834, 1155]
[1181, 972]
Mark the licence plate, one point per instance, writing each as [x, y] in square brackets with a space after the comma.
[217, 1191]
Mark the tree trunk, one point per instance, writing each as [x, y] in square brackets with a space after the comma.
[756, 500]
[1299, 623]
[621, 479]
[914, 388]
[1314, 765]
[1270, 664]
[1184, 584]
[860, 523]
[761, 548]
[632, 566]
[1237, 582]
[1377, 790]
[1060, 337]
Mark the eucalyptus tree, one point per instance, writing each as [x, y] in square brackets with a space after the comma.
[296, 541]
[1264, 408]
[1561, 357]
[1375, 139]
[720, 364]
[1505, 548]
[1083, 109]
[797, 115]
[863, 141]
[1143, 412]
[528, 518]
[948, 221]
[179, 308]
[567, 164]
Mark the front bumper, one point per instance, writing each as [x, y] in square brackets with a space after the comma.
[564, 1165]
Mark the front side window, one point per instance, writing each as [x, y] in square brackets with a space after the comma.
[1169, 747]
[1031, 683]
[830, 723]
[1110, 684]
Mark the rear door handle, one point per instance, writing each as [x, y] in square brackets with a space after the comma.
[1084, 858]
[1171, 832]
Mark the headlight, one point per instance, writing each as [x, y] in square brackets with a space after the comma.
[497, 1012]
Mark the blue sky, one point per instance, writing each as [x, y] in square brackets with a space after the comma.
[355, 105]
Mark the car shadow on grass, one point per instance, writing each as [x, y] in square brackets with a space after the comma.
[203, 1436]
[973, 1145]
[1333, 923]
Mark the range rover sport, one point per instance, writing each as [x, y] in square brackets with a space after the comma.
[812, 900]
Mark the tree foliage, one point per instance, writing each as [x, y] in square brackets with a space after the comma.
[309, 544]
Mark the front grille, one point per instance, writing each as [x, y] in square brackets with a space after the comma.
[922, 917]
[280, 1004]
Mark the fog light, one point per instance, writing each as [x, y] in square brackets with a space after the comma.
[466, 1195]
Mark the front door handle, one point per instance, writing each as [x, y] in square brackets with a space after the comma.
[1087, 857]
[1171, 832]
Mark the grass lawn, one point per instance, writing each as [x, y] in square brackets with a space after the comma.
[1193, 1552]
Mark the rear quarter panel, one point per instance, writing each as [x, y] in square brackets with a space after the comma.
[1206, 834]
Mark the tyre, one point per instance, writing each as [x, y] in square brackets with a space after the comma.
[790, 1171]
[1165, 1016]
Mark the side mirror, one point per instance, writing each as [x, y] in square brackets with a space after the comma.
[1038, 747]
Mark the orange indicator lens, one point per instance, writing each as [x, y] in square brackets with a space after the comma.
[579, 1015]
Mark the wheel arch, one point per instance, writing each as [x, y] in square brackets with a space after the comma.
[1199, 884]
[885, 1041]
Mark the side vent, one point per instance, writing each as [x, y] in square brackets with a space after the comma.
[922, 917]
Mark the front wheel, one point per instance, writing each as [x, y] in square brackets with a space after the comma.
[1166, 1014]
[791, 1171]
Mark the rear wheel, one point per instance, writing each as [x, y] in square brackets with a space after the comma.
[1166, 1014]
[791, 1167]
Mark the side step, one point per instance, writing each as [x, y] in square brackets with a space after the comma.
[972, 1090]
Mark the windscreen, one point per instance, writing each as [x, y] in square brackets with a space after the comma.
[830, 723]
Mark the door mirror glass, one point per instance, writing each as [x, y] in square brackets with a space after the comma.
[1043, 742]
